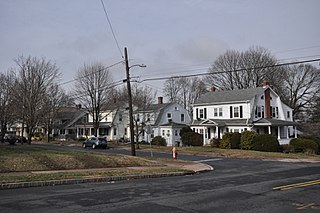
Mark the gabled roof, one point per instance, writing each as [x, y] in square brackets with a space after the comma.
[153, 107]
[230, 95]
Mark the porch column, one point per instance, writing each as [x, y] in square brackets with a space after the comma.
[295, 132]
[287, 132]
[279, 135]
[269, 130]
[204, 136]
[217, 132]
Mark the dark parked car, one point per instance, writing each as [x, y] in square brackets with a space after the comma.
[95, 142]
[11, 139]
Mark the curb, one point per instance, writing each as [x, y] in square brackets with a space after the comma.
[89, 180]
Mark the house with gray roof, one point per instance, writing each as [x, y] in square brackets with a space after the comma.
[255, 109]
[162, 119]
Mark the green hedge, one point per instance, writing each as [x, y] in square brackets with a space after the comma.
[315, 139]
[247, 138]
[304, 145]
[192, 139]
[230, 140]
[266, 143]
[159, 141]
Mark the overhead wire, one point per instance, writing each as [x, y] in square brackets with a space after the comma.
[236, 70]
[105, 68]
[110, 25]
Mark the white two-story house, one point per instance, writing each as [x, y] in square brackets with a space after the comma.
[256, 109]
[163, 119]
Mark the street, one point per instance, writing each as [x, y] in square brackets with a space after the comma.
[235, 185]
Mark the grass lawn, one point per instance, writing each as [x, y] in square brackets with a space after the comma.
[233, 153]
[22, 163]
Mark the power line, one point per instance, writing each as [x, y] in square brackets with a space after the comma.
[114, 84]
[236, 70]
[302, 48]
[105, 68]
[110, 25]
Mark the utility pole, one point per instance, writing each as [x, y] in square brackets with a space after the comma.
[133, 149]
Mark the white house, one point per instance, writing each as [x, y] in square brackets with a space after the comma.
[256, 109]
[163, 119]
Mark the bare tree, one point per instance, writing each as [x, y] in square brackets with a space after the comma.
[35, 77]
[54, 101]
[7, 117]
[184, 91]
[301, 87]
[241, 70]
[93, 90]
[142, 98]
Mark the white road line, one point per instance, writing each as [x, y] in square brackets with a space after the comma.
[208, 160]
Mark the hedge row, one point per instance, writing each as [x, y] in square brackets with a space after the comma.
[249, 140]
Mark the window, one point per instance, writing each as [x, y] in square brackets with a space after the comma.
[176, 108]
[201, 131]
[148, 117]
[115, 131]
[259, 112]
[169, 115]
[288, 114]
[274, 112]
[176, 132]
[120, 117]
[236, 112]
[262, 97]
[215, 112]
[182, 118]
[163, 133]
[168, 133]
[201, 115]
[125, 131]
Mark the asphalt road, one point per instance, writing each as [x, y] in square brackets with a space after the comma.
[236, 185]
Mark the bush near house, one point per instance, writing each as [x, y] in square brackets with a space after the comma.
[304, 145]
[192, 139]
[266, 143]
[230, 140]
[159, 141]
[215, 142]
[247, 138]
[314, 138]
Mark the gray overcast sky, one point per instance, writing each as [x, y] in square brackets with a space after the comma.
[170, 36]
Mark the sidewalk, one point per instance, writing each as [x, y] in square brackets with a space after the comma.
[191, 167]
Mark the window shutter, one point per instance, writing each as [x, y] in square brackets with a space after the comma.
[241, 112]
[205, 113]
[231, 113]
[197, 113]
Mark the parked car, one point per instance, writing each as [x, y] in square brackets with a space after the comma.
[95, 142]
[11, 138]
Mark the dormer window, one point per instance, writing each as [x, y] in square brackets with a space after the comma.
[262, 97]
[169, 115]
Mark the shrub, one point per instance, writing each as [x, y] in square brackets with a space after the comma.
[247, 138]
[225, 142]
[265, 143]
[159, 141]
[304, 145]
[192, 139]
[185, 130]
[215, 142]
[230, 140]
[286, 148]
[315, 139]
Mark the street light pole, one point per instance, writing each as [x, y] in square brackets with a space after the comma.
[133, 148]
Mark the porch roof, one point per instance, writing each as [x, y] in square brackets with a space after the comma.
[221, 122]
[90, 125]
[273, 122]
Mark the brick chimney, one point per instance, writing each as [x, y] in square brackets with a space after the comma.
[160, 100]
[265, 83]
[267, 109]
